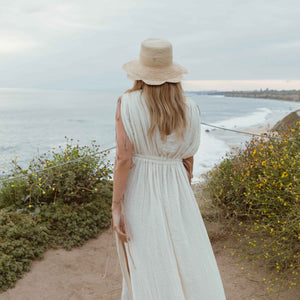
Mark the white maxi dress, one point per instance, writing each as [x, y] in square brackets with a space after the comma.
[169, 256]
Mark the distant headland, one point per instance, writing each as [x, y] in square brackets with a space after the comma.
[286, 95]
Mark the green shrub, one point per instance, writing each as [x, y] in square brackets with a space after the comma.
[21, 241]
[72, 224]
[73, 174]
[60, 200]
[259, 187]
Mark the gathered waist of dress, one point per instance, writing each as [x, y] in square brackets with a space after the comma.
[157, 159]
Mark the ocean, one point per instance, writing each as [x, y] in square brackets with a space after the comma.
[33, 121]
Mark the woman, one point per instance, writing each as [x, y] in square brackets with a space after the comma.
[162, 243]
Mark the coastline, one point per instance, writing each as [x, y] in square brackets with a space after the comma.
[256, 129]
[291, 96]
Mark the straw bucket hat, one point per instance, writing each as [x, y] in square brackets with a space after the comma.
[155, 64]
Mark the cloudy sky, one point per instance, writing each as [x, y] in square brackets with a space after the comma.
[83, 44]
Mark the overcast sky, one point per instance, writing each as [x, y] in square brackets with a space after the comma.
[83, 44]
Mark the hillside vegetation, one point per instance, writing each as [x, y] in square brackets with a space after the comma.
[257, 190]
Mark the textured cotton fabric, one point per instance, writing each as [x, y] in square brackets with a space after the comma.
[123, 159]
[169, 255]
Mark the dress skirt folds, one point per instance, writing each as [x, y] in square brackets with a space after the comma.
[169, 256]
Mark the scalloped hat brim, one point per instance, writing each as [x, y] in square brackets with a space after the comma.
[154, 75]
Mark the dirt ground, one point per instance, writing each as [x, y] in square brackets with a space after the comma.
[92, 271]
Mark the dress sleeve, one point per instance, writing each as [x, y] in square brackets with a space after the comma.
[189, 161]
[123, 158]
[188, 164]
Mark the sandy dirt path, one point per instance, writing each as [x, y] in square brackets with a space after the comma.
[78, 274]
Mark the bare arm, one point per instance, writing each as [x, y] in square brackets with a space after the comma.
[123, 161]
[189, 164]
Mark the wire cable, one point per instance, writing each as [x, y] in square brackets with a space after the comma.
[113, 147]
[260, 135]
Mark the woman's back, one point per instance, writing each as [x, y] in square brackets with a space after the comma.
[136, 119]
[167, 254]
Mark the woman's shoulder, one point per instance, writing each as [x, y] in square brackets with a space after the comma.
[130, 95]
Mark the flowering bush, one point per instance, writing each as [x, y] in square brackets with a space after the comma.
[259, 187]
[60, 200]
[74, 174]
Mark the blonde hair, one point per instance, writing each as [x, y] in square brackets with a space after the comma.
[167, 106]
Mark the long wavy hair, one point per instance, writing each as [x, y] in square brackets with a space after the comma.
[167, 106]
